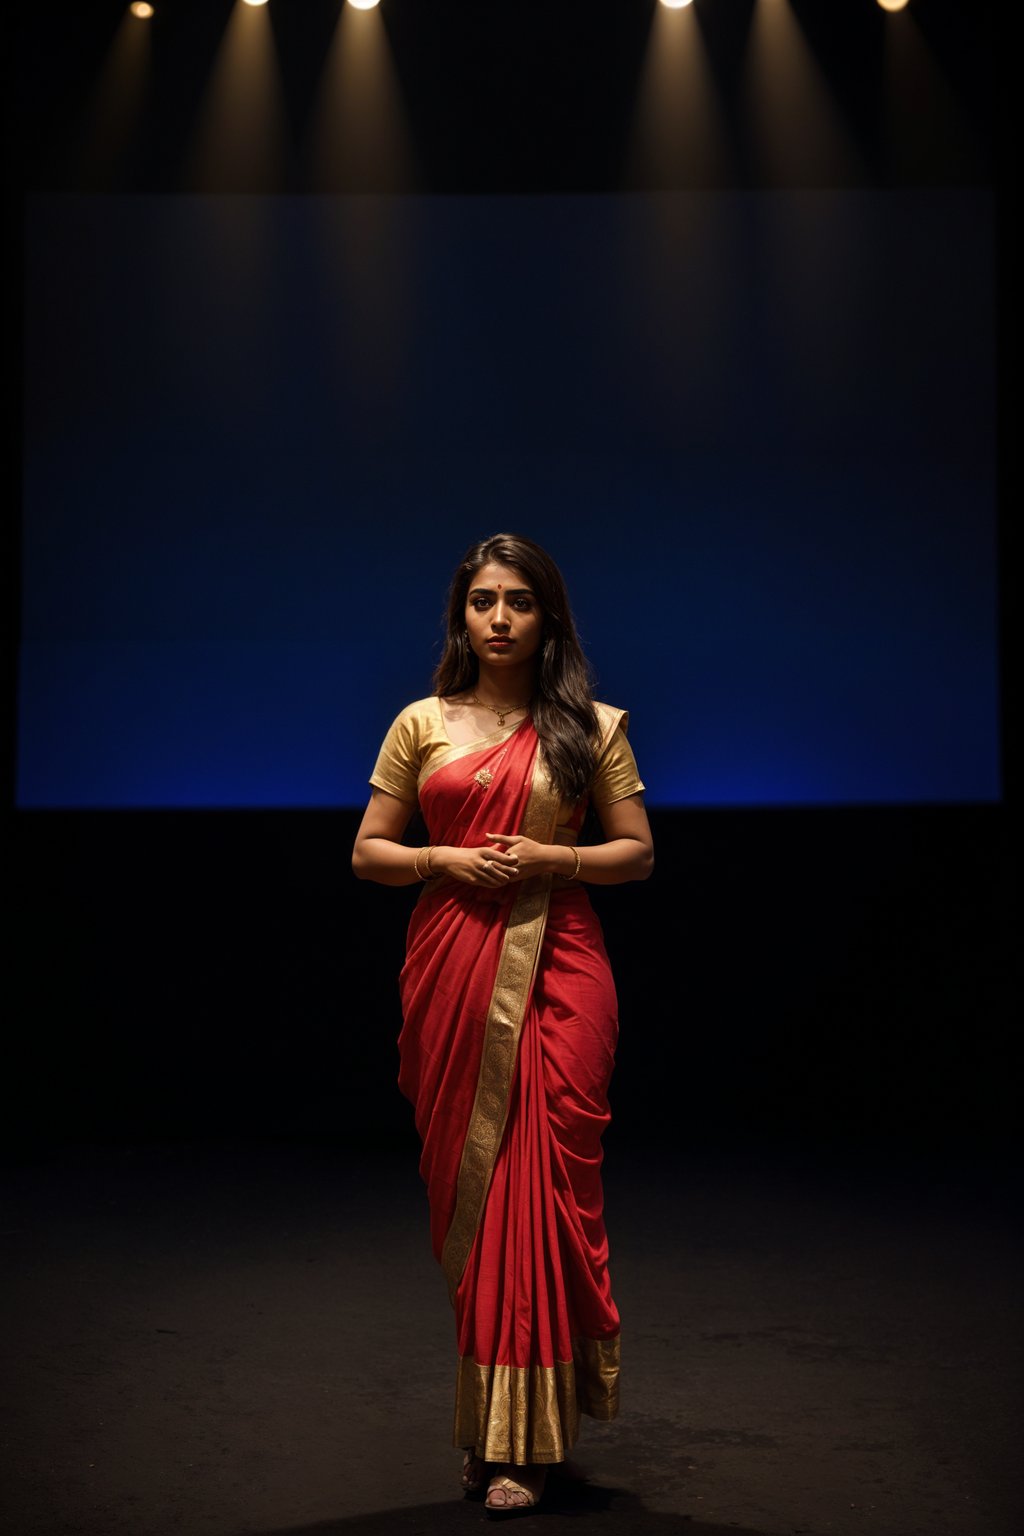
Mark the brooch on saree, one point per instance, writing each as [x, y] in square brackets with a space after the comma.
[483, 777]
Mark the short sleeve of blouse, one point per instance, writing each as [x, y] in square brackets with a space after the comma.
[616, 775]
[397, 768]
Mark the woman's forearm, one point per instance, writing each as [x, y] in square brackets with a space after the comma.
[611, 863]
[389, 863]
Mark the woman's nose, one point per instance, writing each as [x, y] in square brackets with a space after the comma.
[499, 618]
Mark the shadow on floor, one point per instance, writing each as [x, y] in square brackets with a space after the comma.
[605, 1509]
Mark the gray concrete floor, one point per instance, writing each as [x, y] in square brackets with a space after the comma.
[232, 1341]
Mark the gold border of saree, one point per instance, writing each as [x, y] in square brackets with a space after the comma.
[444, 757]
[532, 1413]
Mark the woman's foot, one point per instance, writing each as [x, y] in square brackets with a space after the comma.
[515, 1490]
[474, 1471]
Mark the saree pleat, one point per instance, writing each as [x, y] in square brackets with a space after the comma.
[536, 1292]
[506, 1053]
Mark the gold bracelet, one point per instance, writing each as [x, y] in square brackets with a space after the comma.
[416, 863]
[576, 870]
[430, 872]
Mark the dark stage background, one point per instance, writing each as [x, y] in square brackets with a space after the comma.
[756, 428]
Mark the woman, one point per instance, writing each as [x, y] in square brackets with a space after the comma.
[508, 1002]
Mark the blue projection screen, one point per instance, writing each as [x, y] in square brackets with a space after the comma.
[756, 429]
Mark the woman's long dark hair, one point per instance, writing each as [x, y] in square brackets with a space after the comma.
[563, 708]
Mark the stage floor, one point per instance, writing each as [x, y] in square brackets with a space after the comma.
[229, 1340]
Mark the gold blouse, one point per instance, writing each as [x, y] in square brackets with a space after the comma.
[417, 740]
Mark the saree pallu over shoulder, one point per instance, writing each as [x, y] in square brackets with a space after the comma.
[509, 791]
[470, 961]
[513, 983]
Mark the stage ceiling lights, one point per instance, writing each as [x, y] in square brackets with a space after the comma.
[675, 5]
[141, 10]
[364, 5]
[255, 2]
[894, 5]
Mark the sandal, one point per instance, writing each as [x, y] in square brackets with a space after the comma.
[474, 1471]
[515, 1498]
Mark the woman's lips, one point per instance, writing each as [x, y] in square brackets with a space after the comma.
[500, 645]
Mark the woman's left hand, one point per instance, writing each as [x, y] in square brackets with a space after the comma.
[531, 858]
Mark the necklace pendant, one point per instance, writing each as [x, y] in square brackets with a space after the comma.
[497, 710]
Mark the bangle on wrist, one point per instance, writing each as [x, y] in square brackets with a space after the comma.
[416, 862]
[576, 870]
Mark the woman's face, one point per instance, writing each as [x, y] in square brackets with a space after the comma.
[503, 618]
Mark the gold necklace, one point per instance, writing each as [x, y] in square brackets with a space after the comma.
[502, 711]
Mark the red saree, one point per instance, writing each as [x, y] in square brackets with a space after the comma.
[507, 1047]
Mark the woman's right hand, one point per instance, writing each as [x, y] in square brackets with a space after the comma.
[475, 866]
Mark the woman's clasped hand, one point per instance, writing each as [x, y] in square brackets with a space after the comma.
[507, 856]
[476, 866]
